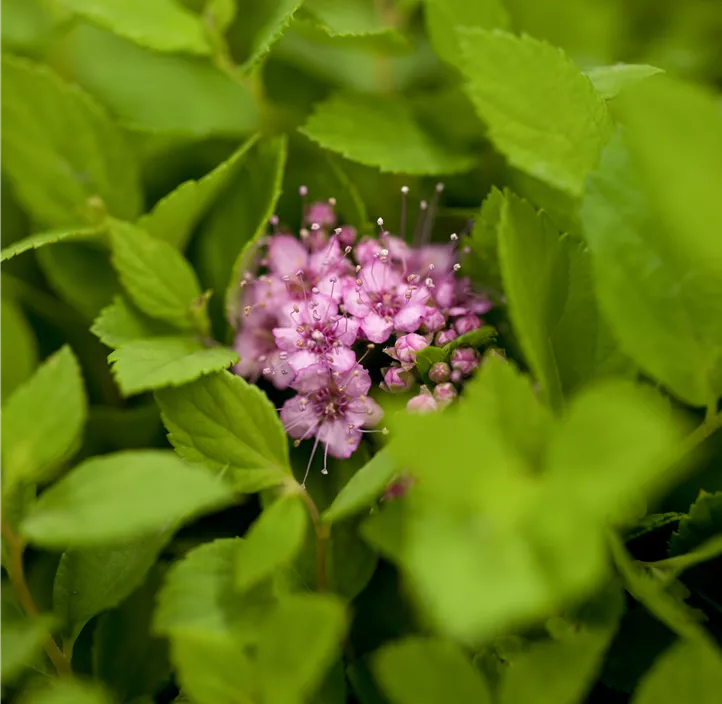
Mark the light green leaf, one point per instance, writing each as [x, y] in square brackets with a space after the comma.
[26, 25]
[510, 80]
[155, 275]
[224, 422]
[174, 217]
[272, 541]
[612, 447]
[161, 25]
[612, 80]
[120, 497]
[420, 670]
[703, 522]
[19, 348]
[121, 322]
[660, 297]
[22, 643]
[556, 672]
[688, 671]
[444, 17]
[40, 239]
[220, 14]
[144, 365]
[37, 439]
[60, 148]
[251, 481]
[312, 624]
[91, 581]
[160, 92]
[364, 487]
[362, 127]
[67, 690]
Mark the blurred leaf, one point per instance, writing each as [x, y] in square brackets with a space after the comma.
[37, 439]
[160, 92]
[221, 14]
[91, 581]
[312, 624]
[272, 541]
[611, 80]
[26, 25]
[688, 671]
[703, 522]
[60, 148]
[510, 80]
[650, 523]
[22, 643]
[121, 322]
[482, 262]
[161, 25]
[384, 40]
[427, 671]
[120, 497]
[361, 128]
[144, 365]
[658, 296]
[224, 423]
[671, 568]
[19, 348]
[66, 690]
[174, 217]
[40, 239]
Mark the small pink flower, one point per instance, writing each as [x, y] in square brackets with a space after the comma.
[444, 337]
[439, 372]
[467, 323]
[397, 379]
[465, 360]
[423, 403]
[445, 394]
[407, 346]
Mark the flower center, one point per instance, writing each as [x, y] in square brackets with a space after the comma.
[385, 303]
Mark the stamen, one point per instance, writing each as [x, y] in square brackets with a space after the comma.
[402, 225]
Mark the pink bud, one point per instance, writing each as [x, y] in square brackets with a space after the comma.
[439, 372]
[456, 376]
[467, 323]
[408, 345]
[397, 380]
[433, 320]
[444, 337]
[346, 235]
[423, 403]
[445, 394]
[321, 213]
[465, 360]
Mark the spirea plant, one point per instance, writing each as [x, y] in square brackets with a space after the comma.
[361, 352]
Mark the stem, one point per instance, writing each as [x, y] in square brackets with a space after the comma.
[323, 533]
[16, 571]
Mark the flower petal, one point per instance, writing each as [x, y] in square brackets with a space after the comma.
[357, 383]
[312, 378]
[347, 330]
[340, 440]
[376, 328]
[286, 255]
[301, 360]
[286, 339]
[343, 358]
[298, 417]
[409, 318]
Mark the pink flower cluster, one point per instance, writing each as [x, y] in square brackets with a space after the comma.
[323, 296]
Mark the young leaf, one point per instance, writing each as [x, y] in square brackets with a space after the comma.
[272, 541]
[420, 670]
[22, 642]
[67, 690]
[224, 422]
[144, 365]
[659, 297]
[312, 624]
[364, 487]
[612, 80]
[482, 262]
[41, 239]
[155, 275]
[19, 348]
[121, 322]
[37, 439]
[510, 80]
[162, 25]
[688, 671]
[120, 497]
[703, 522]
[174, 217]
[60, 148]
[361, 128]
[91, 581]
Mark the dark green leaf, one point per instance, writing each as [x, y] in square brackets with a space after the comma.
[19, 348]
[22, 643]
[703, 522]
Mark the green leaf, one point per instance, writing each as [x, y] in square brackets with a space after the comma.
[613, 446]
[41, 239]
[22, 643]
[482, 262]
[272, 541]
[223, 422]
[91, 581]
[659, 296]
[67, 690]
[38, 440]
[478, 338]
[703, 522]
[19, 348]
[162, 25]
[174, 217]
[120, 497]
[312, 624]
[60, 148]
[160, 92]
[364, 487]
[556, 672]
[672, 567]
[445, 17]
[427, 671]
[612, 80]
[26, 24]
[144, 365]
[121, 322]
[155, 275]
[650, 523]
[510, 80]
[361, 128]
[688, 671]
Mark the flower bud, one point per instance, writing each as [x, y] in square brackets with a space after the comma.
[433, 320]
[346, 235]
[467, 323]
[321, 213]
[439, 372]
[445, 394]
[444, 337]
[423, 403]
[397, 379]
[465, 360]
[408, 345]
